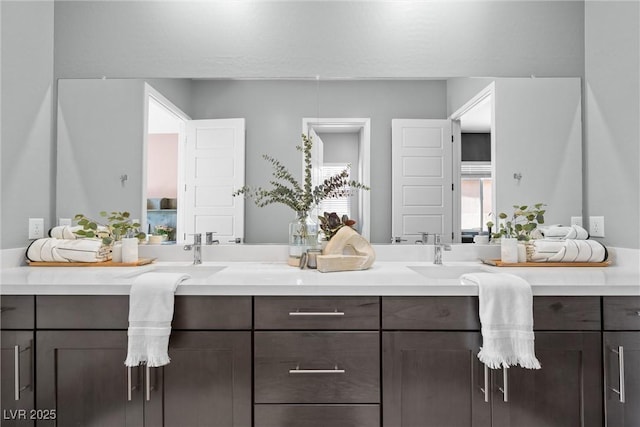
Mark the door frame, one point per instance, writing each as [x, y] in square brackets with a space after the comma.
[150, 92]
[456, 158]
[363, 127]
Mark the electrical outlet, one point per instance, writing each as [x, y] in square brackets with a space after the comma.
[64, 221]
[576, 220]
[36, 228]
[596, 226]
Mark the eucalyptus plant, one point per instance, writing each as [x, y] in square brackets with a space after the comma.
[286, 189]
[522, 223]
[118, 225]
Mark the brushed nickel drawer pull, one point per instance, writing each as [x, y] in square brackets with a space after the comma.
[505, 385]
[129, 383]
[485, 389]
[16, 371]
[621, 390]
[335, 370]
[316, 313]
[147, 382]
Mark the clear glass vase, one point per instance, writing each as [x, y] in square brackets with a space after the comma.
[303, 235]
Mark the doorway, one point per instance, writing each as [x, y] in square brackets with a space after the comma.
[348, 141]
[474, 164]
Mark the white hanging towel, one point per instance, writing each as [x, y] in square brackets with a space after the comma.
[506, 317]
[150, 312]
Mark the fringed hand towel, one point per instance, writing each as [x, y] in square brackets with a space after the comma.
[560, 232]
[506, 317]
[150, 312]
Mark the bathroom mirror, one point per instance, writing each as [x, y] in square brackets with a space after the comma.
[103, 158]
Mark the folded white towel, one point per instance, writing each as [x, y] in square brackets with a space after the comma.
[506, 316]
[564, 232]
[568, 251]
[150, 312]
[64, 250]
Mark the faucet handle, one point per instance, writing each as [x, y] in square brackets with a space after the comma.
[397, 239]
[424, 237]
[209, 237]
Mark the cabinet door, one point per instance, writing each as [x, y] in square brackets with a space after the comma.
[207, 383]
[567, 391]
[433, 379]
[81, 374]
[16, 375]
[619, 413]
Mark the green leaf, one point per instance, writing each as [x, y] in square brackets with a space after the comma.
[103, 213]
[93, 226]
[502, 215]
[523, 208]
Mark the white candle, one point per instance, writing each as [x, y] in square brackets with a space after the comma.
[130, 250]
[116, 252]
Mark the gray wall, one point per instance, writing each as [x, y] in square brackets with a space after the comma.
[274, 112]
[307, 38]
[28, 152]
[612, 133]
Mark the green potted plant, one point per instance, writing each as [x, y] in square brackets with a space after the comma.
[118, 225]
[522, 223]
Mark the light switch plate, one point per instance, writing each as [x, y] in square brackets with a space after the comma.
[64, 221]
[576, 220]
[36, 228]
[596, 226]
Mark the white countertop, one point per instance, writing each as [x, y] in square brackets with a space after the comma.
[277, 278]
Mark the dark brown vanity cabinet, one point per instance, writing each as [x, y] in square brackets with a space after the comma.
[317, 361]
[17, 361]
[432, 377]
[622, 361]
[81, 372]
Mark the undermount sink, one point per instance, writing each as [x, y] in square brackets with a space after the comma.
[197, 272]
[446, 271]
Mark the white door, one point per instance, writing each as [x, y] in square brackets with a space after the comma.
[214, 168]
[422, 195]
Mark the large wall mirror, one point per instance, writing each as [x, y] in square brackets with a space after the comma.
[106, 160]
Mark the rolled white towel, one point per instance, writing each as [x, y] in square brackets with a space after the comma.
[561, 232]
[568, 251]
[67, 250]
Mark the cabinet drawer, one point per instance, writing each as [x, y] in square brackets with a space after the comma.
[112, 312]
[317, 415]
[330, 313]
[432, 313]
[17, 312]
[317, 367]
[566, 313]
[621, 313]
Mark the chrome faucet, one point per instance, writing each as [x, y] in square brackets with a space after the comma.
[197, 248]
[209, 238]
[437, 249]
[424, 238]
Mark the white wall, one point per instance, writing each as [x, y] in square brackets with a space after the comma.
[612, 111]
[28, 151]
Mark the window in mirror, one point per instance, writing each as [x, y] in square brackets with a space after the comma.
[476, 196]
[339, 205]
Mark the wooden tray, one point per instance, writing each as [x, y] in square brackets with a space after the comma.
[141, 261]
[498, 263]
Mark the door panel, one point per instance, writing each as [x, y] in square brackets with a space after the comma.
[81, 374]
[16, 407]
[422, 195]
[627, 413]
[207, 383]
[214, 168]
[433, 379]
[567, 391]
